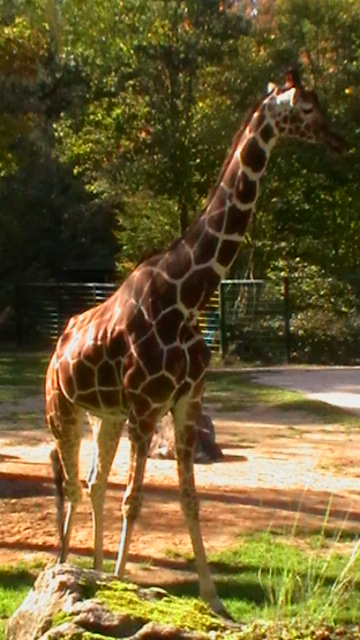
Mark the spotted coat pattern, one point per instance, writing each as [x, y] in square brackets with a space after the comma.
[141, 354]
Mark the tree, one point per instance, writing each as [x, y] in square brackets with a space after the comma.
[309, 207]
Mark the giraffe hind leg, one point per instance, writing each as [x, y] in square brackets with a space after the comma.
[132, 499]
[69, 488]
[66, 429]
[106, 436]
[59, 491]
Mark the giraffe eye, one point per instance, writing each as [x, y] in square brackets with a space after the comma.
[307, 110]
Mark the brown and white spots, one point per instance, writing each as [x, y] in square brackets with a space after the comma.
[159, 388]
[138, 324]
[168, 325]
[227, 253]
[152, 353]
[204, 253]
[253, 155]
[176, 268]
[118, 346]
[256, 122]
[246, 189]
[143, 405]
[163, 289]
[267, 133]
[141, 353]
[218, 201]
[232, 172]
[176, 362]
[237, 221]
[194, 234]
[135, 376]
[215, 222]
[85, 375]
[197, 287]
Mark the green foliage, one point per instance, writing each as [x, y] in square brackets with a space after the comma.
[308, 207]
[324, 319]
[115, 117]
[15, 582]
[279, 587]
[309, 585]
[143, 217]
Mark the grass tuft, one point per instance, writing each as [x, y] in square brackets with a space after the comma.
[15, 583]
[23, 370]
[235, 391]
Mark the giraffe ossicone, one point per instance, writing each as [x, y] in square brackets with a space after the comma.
[141, 354]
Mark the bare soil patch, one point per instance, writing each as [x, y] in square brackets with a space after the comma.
[279, 469]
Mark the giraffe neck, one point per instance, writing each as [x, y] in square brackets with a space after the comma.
[209, 247]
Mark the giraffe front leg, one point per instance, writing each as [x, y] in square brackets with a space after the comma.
[132, 498]
[106, 436]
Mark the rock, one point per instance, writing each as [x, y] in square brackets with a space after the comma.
[206, 448]
[56, 589]
[59, 608]
[154, 631]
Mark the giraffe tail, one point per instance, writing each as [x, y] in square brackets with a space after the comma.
[59, 490]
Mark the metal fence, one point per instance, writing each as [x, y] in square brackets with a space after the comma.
[43, 309]
[257, 321]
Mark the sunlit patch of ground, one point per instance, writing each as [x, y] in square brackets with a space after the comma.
[280, 471]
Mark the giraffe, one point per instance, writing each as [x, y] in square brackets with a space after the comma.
[140, 353]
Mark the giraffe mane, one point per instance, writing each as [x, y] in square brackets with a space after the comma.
[149, 253]
[235, 141]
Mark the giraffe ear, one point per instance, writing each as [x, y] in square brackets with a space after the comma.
[271, 87]
[292, 79]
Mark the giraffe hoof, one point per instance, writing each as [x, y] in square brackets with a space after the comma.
[221, 611]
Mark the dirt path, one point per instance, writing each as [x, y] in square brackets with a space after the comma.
[278, 469]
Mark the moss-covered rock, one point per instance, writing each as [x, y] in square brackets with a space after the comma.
[71, 604]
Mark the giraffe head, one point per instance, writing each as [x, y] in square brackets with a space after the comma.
[297, 112]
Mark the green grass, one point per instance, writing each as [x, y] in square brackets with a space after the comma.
[229, 391]
[289, 578]
[23, 370]
[235, 391]
[16, 421]
[292, 580]
[15, 582]
[12, 394]
[274, 581]
[279, 580]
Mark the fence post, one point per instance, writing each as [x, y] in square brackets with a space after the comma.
[223, 345]
[58, 308]
[19, 329]
[287, 331]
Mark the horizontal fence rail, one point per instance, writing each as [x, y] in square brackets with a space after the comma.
[257, 321]
[43, 309]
